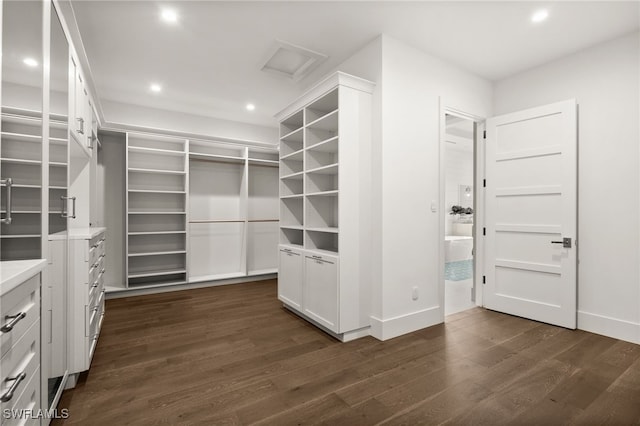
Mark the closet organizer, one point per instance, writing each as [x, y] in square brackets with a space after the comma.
[199, 211]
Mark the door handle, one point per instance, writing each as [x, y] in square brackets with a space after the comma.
[73, 207]
[16, 381]
[8, 183]
[81, 128]
[15, 319]
[566, 242]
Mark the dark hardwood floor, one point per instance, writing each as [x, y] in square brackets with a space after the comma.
[233, 355]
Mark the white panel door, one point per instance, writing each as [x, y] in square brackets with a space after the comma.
[320, 298]
[531, 208]
[290, 277]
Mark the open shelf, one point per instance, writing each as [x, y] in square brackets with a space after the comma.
[292, 123]
[20, 161]
[293, 237]
[295, 176]
[157, 273]
[157, 223]
[327, 145]
[291, 212]
[145, 244]
[159, 182]
[290, 167]
[322, 106]
[155, 191]
[156, 151]
[152, 161]
[156, 233]
[321, 212]
[297, 155]
[216, 157]
[329, 169]
[333, 193]
[158, 171]
[163, 264]
[318, 160]
[320, 240]
[155, 142]
[327, 122]
[157, 253]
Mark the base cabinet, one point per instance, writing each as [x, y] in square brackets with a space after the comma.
[321, 290]
[308, 283]
[290, 282]
[20, 362]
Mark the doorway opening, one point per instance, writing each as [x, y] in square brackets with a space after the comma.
[459, 146]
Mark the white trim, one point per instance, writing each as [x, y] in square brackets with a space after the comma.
[116, 293]
[478, 161]
[610, 327]
[384, 329]
[336, 79]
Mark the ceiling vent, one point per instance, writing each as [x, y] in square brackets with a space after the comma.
[292, 61]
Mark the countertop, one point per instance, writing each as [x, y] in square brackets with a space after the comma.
[15, 272]
[78, 234]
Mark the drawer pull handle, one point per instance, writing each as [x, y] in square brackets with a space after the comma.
[14, 320]
[16, 381]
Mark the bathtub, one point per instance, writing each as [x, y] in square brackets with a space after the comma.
[458, 247]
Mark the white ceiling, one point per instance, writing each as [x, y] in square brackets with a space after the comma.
[209, 62]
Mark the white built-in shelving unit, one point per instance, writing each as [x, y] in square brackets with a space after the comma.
[21, 158]
[324, 168]
[199, 211]
[156, 210]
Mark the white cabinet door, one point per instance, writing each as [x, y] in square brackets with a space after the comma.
[290, 277]
[531, 213]
[320, 301]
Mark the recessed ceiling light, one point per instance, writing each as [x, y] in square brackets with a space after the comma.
[539, 16]
[156, 88]
[251, 107]
[30, 62]
[169, 15]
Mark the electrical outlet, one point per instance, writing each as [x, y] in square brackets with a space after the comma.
[414, 293]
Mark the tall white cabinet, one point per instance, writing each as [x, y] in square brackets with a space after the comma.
[325, 139]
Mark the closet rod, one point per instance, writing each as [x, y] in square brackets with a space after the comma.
[216, 221]
[263, 220]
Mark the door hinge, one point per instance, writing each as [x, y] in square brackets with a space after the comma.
[484, 134]
[484, 183]
[484, 279]
[484, 231]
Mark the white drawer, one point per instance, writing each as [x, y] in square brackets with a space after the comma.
[24, 301]
[94, 292]
[26, 402]
[23, 358]
[93, 254]
[101, 263]
[93, 275]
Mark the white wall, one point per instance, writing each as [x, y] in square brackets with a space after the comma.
[458, 171]
[157, 119]
[367, 63]
[605, 81]
[413, 85]
[113, 155]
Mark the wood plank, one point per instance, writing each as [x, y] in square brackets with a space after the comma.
[232, 355]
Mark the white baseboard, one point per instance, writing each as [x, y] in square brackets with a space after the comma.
[384, 329]
[610, 327]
